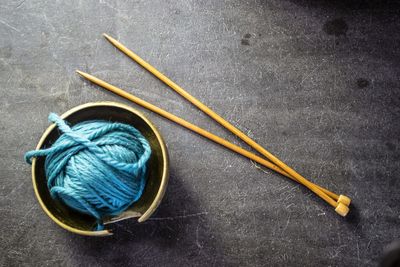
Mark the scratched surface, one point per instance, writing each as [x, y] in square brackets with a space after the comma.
[316, 82]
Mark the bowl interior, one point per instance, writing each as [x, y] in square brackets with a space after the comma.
[157, 165]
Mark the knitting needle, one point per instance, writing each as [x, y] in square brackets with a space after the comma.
[174, 86]
[343, 199]
[339, 207]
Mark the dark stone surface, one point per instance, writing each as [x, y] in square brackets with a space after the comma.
[316, 82]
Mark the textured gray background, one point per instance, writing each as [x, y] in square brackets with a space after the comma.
[316, 82]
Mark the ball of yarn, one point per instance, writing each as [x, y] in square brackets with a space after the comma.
[96, 167]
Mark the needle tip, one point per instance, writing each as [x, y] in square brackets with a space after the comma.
[106, 36]
[79, 72]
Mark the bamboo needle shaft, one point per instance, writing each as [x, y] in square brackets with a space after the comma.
[219, 119]
[199, 130]
[193, 100]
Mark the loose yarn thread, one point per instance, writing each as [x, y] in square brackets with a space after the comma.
[96, 167]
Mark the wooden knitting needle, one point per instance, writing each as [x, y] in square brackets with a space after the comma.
[339, 207]
[186, 95]
[342, 199]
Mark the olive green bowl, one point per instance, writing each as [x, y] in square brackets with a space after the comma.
[157, 177]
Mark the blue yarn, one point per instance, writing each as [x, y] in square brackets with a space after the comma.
[95, 167]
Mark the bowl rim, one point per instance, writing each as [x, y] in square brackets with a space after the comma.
[164, 178]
